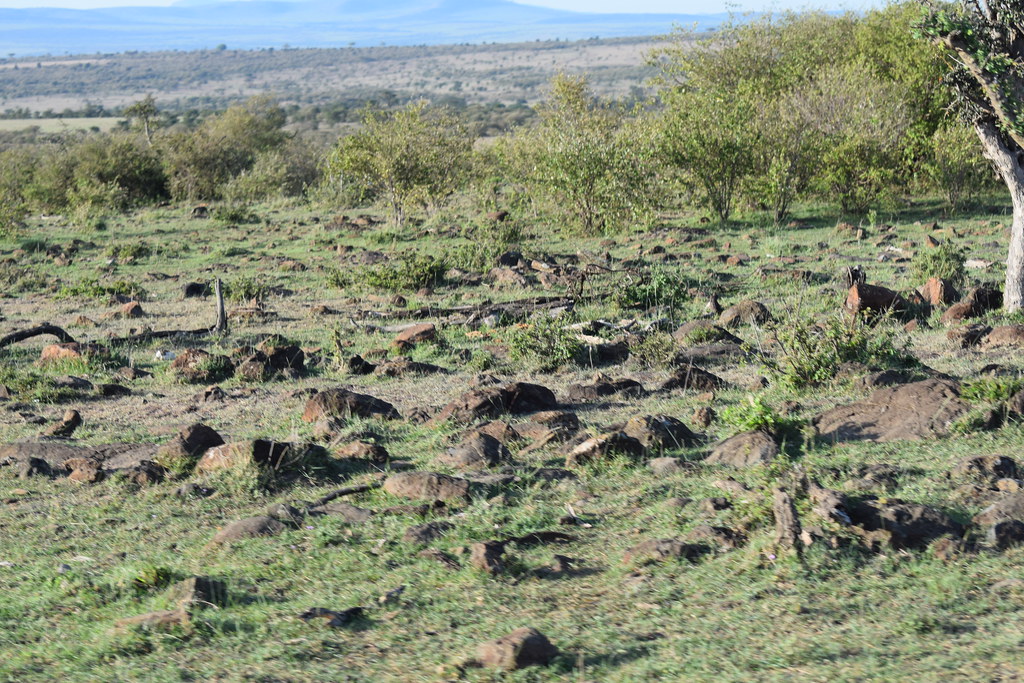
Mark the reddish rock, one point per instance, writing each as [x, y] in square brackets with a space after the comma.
[343, 403]
[71, 350]
[939, 292]
[863, 297]
[415, 334]
[521, 648]
[132, 309]
[1007, 335]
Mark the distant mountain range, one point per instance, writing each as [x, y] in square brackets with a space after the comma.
[199, 24]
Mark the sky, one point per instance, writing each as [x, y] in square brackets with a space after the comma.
[632, 7]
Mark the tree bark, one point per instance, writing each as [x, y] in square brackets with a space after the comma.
[1007, 163]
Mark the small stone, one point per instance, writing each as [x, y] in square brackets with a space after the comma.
[155, 621]
[519, 649]
[1006, 534]
[250, 527]
[486, 556]
[198, 591]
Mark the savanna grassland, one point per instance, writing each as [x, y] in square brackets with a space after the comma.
[714, 387]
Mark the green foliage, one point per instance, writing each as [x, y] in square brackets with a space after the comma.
[132, 251]
[235, 212]
[755, 414]
[544, 345]
[956, 165]
[94, 289]
[653, 350]
[246, 289]
[16, 278]
[409, 273]
[200, 163]
[288, 171]
[152, 577]
[585, 163]
[944, 261]
[811, 353]
[708, 136]
[656, 287]
[16, 169]
[990, 389]
[416, 157]
[778, 108]
[34, 386]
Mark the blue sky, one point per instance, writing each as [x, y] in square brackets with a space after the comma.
[634, 6]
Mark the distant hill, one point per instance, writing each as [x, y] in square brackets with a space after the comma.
[199, 24]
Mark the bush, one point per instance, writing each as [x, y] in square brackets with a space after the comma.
[754, 414]
[544, 345]
[200, 163]
[416, 157]
[245, 289]
[94, 289]
[412, 272]
[656, 287]
[286, 172]
[956, 165]
[810, 354]
[585, 163]
[944, 261]
[654, 350]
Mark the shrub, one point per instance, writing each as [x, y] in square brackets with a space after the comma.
[585, 163]
[411, 272]
[755, 414]
[956, 166]
[246, 289]
[544, 345]
[94, 289]
[654, 350]
[412, 158]
[200, 163]
[944, 261]
[991, 389]
[811, 353]
[657, 287]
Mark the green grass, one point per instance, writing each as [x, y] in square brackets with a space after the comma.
[78, 558]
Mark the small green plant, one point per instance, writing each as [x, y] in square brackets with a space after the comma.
[94, 289]
[246, 289]
[544, 345]
[339, 279]
[756, 414]
[945, 261]
[654, 350]
[129, 252]
[18, 278]
[413, 271]
[656, 287]
[34, 245]
[991, 389]
[152, 577]
[810, 353]
[235, 213]
[36, 387]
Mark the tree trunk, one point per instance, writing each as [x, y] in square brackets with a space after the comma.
[1009, 167]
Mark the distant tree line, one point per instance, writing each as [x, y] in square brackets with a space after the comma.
[756, 117]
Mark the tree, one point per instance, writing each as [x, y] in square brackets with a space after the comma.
[199, 163]
[589, 163]
[985, 39]
[145, 112]
[414, 157]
